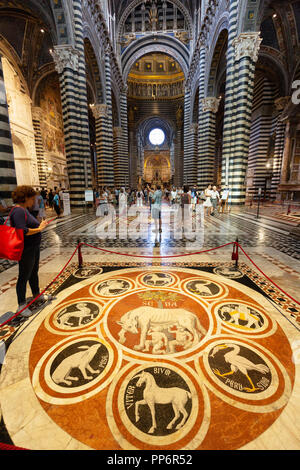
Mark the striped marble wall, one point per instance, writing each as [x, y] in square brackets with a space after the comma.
[70, 65]
[104, 133]
[122, 178]
[267, 138]
[37, 115]
[207, 141]
[8, 179]
[188, 171]
[230, 91]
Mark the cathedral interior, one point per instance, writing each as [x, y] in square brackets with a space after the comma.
[182, 338]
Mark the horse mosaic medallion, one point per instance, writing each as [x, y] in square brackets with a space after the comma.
[164, 358]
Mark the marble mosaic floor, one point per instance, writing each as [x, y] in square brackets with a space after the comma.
[184, 353]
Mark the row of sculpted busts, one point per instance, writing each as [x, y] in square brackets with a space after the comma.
[154, 90]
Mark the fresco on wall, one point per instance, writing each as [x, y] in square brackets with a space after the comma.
[52, 125]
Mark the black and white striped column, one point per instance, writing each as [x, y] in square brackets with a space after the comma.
[278, 157]
[207, 141]
[104, 132]
[280, 104]
[246, 54]
[194, 147]
[76, 136]
[104, 146]
[82, 101]
[123, 151]
[230, 91]
[37, 116]
[70, 65]
[8, 180]
[118, 179]
[187, 140]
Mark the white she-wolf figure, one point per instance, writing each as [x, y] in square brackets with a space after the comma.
[154, 395]
[143, 318]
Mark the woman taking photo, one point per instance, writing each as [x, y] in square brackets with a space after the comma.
[20, 217]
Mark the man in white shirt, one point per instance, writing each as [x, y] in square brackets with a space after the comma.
[215, 197]
[224, 198]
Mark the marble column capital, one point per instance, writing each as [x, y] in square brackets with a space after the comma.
[65, 56]
[118, 132]
[194, 128]
[100, 110]
[247, 45]
[281, 102]
[210, 104]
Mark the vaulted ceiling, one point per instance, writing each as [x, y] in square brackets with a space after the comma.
[118, 6]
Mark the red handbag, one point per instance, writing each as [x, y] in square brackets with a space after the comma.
[11, 241]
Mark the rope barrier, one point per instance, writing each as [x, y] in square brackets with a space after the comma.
[157, 257]
[267, 277]
[235, 257]
[10, 447]
[38, 296]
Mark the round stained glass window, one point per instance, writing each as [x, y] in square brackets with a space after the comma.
[157, 137]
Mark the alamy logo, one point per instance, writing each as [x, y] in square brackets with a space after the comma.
[296, 94]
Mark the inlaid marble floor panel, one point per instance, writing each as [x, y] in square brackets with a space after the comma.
[216, 349]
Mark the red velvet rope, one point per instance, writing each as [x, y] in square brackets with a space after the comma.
[38, 296]
[9, 447]
[236, 244]
[269, 279]
[158, 257]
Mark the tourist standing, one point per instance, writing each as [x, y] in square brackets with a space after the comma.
[186, 200]
[215, 198]
[56, 204]
[208, 204]
[224, 199]
[173, 196]
[42, 212]
[139, 198]
[50, 198]
[156, 209]
[24, 198]
[102, 209]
